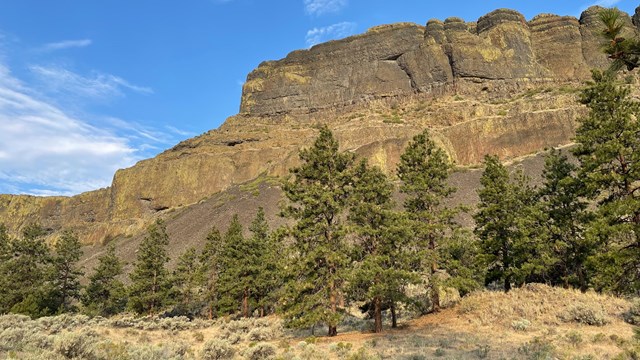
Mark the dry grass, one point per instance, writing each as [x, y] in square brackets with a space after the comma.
[527, 323]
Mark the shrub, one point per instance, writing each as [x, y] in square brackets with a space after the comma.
[198, 336]
[73, 345]
[260, 334]
[574, 338]
[633, 315]
[217, 349]
[520, 325]
[537, 349]
[260, 351]
[592, 314]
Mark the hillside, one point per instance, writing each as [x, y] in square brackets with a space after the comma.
[500, 85]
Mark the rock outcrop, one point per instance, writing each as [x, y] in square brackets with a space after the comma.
[500, 85]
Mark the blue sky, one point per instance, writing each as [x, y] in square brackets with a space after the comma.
[88, 87]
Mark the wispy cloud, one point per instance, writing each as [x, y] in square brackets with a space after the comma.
[98, 85]
[46, 151]
[335, 31]
[180, 132]
[66, 44]
[320, 7]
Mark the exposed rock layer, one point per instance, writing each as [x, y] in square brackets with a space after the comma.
[501, 85]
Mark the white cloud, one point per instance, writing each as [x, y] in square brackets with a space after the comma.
[66, 44]
[97, 86]
[320, 7]
[335, 31]
[606, 3]
[46, 151]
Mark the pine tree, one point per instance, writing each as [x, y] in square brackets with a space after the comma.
[383, 253]
[210, 268]
[508, 225]
[65, 274]
[150, 282]
[609, 153]
[187, 280]
[318, 198]
[424, 169]
[105, 294]
[239, 269]
[28, 266]
[566, 215]
[624, 51]
[268, 270]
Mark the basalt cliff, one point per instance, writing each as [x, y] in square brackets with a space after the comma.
[501, 85]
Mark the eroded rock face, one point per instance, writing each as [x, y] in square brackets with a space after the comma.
[500, 85]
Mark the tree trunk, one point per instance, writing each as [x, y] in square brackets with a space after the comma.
[210, 312]
[333, 301]
[245, 303]
[333, 330]
[507, 283]
[377, 314]
[394, 317]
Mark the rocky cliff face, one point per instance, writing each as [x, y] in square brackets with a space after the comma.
[500, 85]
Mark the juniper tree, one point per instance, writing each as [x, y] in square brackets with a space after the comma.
[566, 217]
[384, 259]
[424, 169]
[318, 197]
[187, 280]
[608, 148]
[508, 225]
[64, 272]
[210, 268]
[105, 294]
[150, 281]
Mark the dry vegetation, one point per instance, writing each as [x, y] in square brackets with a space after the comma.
[534, 322]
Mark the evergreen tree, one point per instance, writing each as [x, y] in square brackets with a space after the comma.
[28, 266]
[268, 270]
[187, 280]
[609, 153]
[150, 282]
[424, 169]
[318, 198]
[566, 215]
[508, 224]
[624, 51]
[105, 294]
[460, 258]
[383, 255]
[65, 274]
[210, 268]
[239, 269]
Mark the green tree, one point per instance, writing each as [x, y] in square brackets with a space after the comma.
[508, 225]
[566, 215]
[65, 273]
[622, 49]
[188, 280]
[105, 294]
[318, 197]
[238, 271]
[424, 169]
[210, 268]
[384, 258]
[150, 281]
[28, 266]
[608, 149]
[268, 268]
